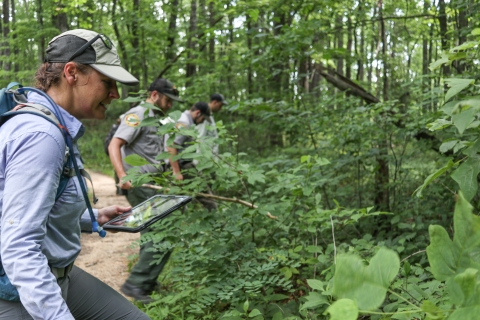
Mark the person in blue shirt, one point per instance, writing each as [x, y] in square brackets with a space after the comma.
[40, 236]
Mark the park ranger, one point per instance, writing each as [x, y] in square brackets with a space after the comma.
[131, 138]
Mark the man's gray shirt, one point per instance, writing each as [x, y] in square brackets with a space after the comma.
[143, 141]
[185, 122]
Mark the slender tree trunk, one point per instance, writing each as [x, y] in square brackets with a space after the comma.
[121, 45]
[211, 40]
[382, 194]
[136, 63]
[172, 31]
[348, 67]
[442, 20]
[361, 60]
[16, 52]
[339, 37]
[249, 46]
[360, 50]
[191, 68]
[425, 58]
[41, 38]
[462, 23]
[59, 17]
[7, 65]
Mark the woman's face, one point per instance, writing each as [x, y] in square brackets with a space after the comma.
[94, 91]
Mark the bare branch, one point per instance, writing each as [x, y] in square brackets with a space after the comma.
[215, 197]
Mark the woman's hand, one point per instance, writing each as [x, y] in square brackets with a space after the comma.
[108, 213]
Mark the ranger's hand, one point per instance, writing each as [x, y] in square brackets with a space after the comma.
[178, 176]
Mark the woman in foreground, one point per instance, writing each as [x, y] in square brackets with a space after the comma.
[40, 236]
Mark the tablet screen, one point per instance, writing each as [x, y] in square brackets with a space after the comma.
[151, 210]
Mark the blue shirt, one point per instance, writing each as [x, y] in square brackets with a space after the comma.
[37, 232]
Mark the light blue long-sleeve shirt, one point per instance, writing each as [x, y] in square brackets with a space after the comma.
[37, 232]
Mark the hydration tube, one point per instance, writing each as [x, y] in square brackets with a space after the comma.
[95, 227]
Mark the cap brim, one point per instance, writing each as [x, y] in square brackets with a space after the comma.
[172, 96]
[116, 73]
[225, 103]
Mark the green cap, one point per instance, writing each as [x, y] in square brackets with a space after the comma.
[91, 48]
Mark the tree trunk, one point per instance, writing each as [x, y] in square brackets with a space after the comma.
[59, 17]
[41, 38]
[121, 45]
[382, 193]
[172, 31]
[425, 58]
[462, 23]
[249, 46]
[7, 65]
[211, 40]
[360, 51]
[442, 20]
[348, 67]
[339, 37]
[191, 68]
[16, 52]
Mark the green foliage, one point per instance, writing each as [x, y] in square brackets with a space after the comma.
[366, 286]
[454, 264]
[460, 125]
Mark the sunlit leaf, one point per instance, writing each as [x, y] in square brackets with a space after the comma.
[366, 285]
[466, 176]
[456, 85]
[343, 309]
[135, 160]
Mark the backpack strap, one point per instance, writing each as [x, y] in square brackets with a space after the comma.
[42, 111]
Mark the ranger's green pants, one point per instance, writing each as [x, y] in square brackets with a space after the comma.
[144, 274]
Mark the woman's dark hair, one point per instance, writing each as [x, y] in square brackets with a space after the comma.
[49, 74]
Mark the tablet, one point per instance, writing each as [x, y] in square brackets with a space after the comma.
[147, 213]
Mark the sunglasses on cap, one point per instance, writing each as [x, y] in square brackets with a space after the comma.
[106, 41]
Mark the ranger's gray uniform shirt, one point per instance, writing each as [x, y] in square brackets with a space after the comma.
[186, 122]
[208, 129]
[143, 141]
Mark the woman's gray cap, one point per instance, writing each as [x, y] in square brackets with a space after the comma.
[101, 58]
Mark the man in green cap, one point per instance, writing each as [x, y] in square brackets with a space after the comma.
[131, 138]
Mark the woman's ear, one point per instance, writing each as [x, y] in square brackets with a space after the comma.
[70, 72]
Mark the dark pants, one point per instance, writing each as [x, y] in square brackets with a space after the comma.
[87, 298]
[144, 274]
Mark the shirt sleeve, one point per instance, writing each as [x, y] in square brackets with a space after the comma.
[33, 166]
[129, 127]
[180, 139]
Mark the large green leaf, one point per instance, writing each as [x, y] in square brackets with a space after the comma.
[432, 177]
[135, 160]
[467, 295]
[466, 176]
[366, 285]
[456, 85]
[434, 65]
[343, 309]
[464, 119]
[448, 258]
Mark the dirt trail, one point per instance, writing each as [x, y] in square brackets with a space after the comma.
[107, 258]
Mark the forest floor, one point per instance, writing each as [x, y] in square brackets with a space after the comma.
[107, 258]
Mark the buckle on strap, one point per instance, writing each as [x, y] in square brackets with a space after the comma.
[70, 172]
[61, 272]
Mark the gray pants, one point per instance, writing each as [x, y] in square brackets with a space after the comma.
[87, 298]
